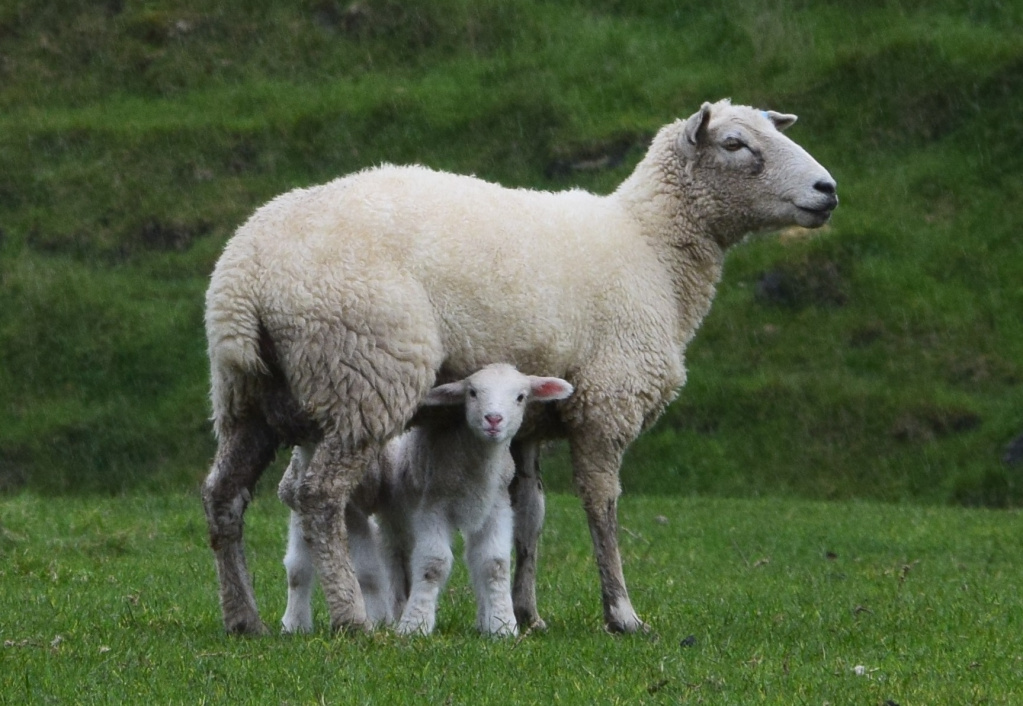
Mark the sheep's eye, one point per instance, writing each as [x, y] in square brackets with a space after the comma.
[733, 144]
[472, 393]
[521, 398]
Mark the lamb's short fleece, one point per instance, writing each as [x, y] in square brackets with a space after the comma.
[431, 481]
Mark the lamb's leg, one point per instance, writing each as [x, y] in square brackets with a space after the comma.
[595, 465]
[321, 497]
[488, 554]
[528, 503]
[244, 451]
[298, 562]
[430, 567]
[396, 550]
[370, 567]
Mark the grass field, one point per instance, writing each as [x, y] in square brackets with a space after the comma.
[749, 602]
[878, 362]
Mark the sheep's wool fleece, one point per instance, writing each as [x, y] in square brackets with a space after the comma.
[378, 279]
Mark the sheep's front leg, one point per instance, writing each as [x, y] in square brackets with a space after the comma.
[528, 503]
[243, 453]
[488, 554]
[430, 567]
[595, 465]
[322, 496]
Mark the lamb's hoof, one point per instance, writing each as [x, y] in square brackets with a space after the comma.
[413, 628]
[288, 628]
[499, 630]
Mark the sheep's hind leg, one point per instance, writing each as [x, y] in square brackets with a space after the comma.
[244, 451]
[528, 503]
[321, 496]
[595, 468]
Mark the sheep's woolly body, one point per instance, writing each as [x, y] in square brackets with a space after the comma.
[434, 269]
[334, 308]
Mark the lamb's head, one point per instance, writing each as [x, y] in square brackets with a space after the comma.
[746, 175]
[495, 398]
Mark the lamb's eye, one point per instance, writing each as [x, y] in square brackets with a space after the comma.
[472, 393]
[521, 398]
[733, 144]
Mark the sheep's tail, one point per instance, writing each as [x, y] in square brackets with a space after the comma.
[233, 332]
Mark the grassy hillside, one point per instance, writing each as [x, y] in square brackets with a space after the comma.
[882, 358]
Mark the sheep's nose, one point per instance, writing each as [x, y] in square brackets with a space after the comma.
[493, 419]
[825, 186]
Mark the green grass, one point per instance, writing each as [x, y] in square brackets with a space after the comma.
[885, 364]
[114, 600]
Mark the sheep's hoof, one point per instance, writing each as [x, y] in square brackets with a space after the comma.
[351, 628]
[531, 620]
[247, 628]
[538, 625]
[622, 627]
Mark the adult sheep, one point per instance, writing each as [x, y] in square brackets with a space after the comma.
[333, 310]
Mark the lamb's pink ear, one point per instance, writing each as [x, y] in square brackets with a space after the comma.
[549, 389]
[448, 394]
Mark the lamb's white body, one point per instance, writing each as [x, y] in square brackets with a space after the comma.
[432, 481]
[333, 310]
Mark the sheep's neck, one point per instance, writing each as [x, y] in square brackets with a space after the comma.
[664, 206]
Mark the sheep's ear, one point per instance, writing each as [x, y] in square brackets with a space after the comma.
[782, 121]
[695, 130]
[549, 389]
[448, 394]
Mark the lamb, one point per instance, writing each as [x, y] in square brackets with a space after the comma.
[431, 481]
[334, 309]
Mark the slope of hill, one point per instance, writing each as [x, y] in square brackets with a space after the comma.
[882, 358]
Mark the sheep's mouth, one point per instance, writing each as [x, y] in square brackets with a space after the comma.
[815, 217]
[823, 211]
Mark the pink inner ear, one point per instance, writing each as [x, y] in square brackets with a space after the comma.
[549, 388]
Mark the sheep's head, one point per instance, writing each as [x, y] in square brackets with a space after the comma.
[748, 176]
[495, 398]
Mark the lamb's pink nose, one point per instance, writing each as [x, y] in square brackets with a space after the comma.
[493, 419]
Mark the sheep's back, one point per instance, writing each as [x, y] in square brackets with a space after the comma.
[527, 277]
